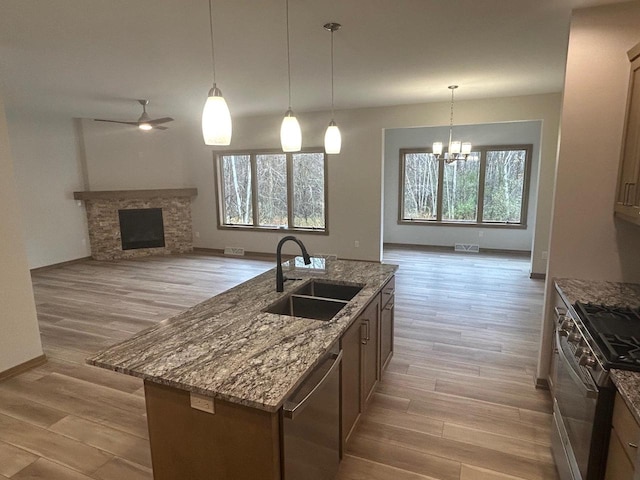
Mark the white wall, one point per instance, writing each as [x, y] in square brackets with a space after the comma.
[47, 172]
[513, 133]
[122, 157]
[20, 338]
[355, 175]
[586, 241]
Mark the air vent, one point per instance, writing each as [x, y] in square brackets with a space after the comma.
[467, 247]
[238, 251]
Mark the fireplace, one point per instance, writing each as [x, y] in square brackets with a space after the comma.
[141, 228]
[133, 223]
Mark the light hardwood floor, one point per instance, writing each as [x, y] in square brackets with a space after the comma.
[457, 401]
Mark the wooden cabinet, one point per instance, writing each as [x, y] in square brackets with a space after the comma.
[350, 343]
[366, 348]
[387, 306]
[370, 321]
[623, 444]
[627, 205]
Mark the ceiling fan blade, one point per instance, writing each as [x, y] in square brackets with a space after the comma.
[114, 121]
[159, 127]
[160, 120]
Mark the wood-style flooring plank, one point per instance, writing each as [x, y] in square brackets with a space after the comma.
[44, 469]
[14, 459]
[119, 469]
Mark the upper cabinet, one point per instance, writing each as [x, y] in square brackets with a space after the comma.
[628, 193]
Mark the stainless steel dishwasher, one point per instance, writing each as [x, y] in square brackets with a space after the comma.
[311, 424]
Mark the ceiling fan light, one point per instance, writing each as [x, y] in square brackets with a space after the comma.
[455, 147]
[216, 119]
[332, 139]
[437, 148]
[290, 133]
[466, 148]
[145, 126]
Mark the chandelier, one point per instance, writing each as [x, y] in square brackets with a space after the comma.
[457, 150]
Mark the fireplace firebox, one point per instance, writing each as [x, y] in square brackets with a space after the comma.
[141, 228]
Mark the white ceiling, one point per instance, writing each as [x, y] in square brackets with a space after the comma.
[93, 58]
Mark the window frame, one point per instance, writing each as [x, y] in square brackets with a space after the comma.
[482, 150]
[255, 226]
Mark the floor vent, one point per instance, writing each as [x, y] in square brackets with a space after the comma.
[467, 247]
[234, 251]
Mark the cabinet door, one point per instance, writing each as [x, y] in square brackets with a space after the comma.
[350, 378]
[618, 465]
[386, 333]
[628, 192]
[370, 320]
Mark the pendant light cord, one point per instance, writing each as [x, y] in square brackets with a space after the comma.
[213, 57]
[332, 110]
[288, 54]
[453, 89]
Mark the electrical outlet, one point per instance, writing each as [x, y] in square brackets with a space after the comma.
[356, 244]
[202, 403]
[197, 234]
[481, 234]
[545, 255]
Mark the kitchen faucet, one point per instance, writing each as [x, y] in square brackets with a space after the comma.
[280, 278]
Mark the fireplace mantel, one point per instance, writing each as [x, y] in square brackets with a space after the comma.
[137, 194]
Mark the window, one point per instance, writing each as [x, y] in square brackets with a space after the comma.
[272, 190]
[489, 188]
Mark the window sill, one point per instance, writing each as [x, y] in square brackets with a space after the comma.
[435, 223]
[251, 228]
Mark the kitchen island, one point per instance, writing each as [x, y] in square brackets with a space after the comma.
[217, 375]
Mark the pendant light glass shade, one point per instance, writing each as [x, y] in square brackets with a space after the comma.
[437, 148]
[216, 119]
[332, 139]
[290, 133]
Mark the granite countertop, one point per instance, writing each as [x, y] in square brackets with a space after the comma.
[228, 348]
[608, 293]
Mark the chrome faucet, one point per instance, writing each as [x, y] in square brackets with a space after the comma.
[280, 278]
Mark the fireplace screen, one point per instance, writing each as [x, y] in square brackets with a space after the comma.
[141, 228]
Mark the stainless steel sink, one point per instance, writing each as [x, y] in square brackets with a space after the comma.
[307, 307]
[336, 291]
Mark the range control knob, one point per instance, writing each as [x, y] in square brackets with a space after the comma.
[567, 326]
[587, 360]
[574, 337]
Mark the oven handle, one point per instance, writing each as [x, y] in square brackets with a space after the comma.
[588, 390]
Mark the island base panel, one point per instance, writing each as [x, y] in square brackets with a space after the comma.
[234, 443]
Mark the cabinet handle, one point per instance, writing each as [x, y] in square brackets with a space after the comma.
[365, 323]
[389, 306]
[560, 312]
[633, 445]
[630, 200]
[625, 194]
[389, 291]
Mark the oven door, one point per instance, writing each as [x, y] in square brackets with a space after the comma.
[576, 398]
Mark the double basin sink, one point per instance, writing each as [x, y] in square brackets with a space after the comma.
[318, 300]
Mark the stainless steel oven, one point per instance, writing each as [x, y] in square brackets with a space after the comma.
[583, 404]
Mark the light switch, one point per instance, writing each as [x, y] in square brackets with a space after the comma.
[200, 402]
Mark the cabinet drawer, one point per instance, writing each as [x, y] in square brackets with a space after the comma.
[626, 428]
[388, 291]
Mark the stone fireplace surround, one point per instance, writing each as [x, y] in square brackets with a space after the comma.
[104, 225]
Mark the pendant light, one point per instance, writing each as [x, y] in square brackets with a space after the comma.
[457, 150]
[332, 137]
[216, 119]
[290, 133]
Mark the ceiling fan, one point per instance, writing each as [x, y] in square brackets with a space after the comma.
[144, 122]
